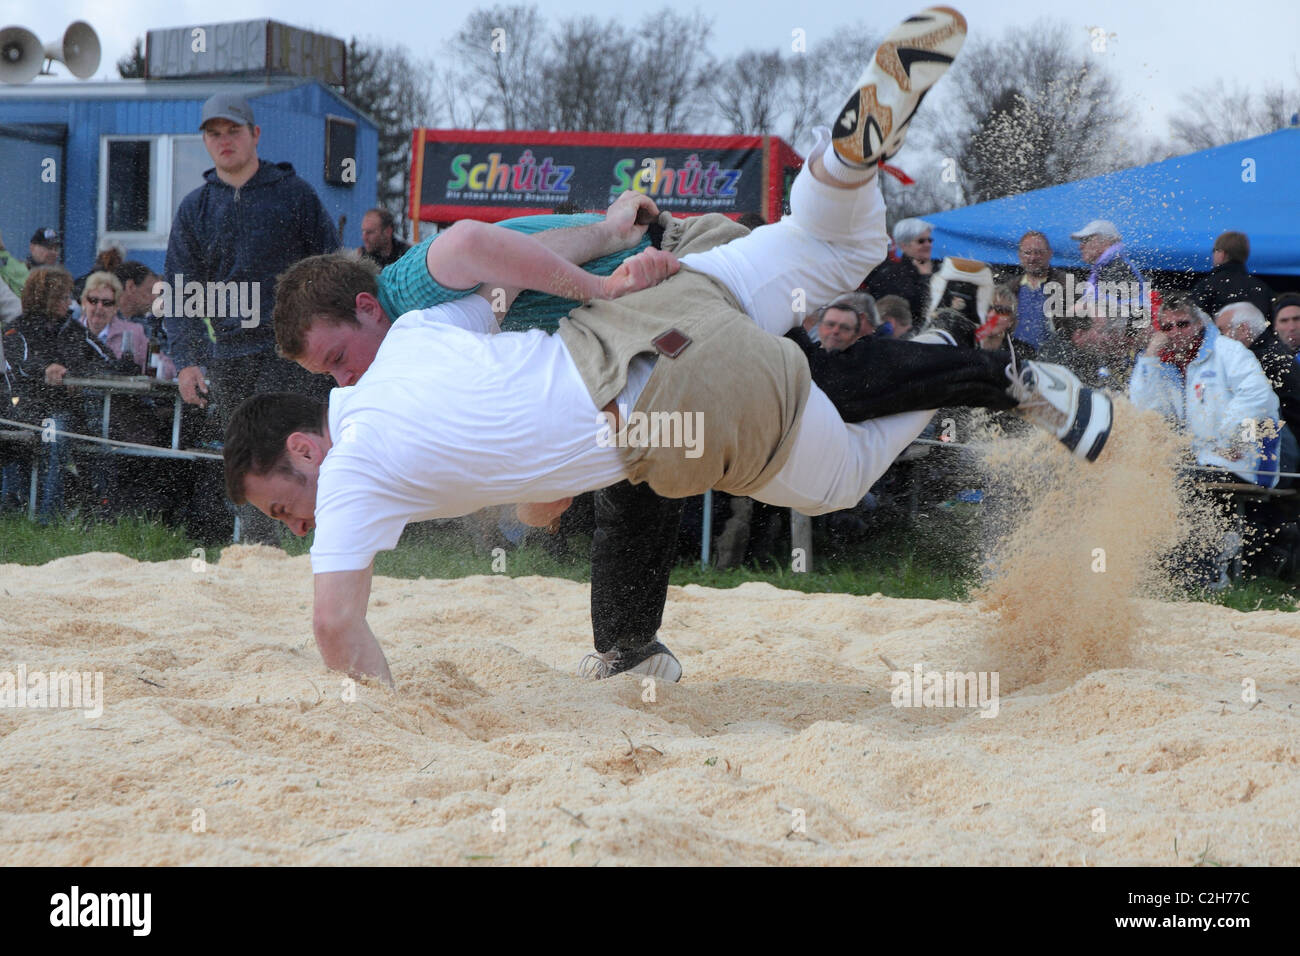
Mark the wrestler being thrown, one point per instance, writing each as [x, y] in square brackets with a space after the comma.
[450, 418]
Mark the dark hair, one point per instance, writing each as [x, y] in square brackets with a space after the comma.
[1182, 302]
[566, 208]
[1234, 245]
[132, 271]
[256, 435]
[1283, 301]
[752, 220]
[1067, 325]
[320, 287]
[385, 217]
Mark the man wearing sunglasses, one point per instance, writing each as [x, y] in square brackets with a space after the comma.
[1213, 387]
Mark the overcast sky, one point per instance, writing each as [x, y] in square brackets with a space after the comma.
[1158, 50]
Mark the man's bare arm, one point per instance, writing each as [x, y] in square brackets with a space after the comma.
[503, 261]
[622, 228]
[339, 621]
[542, 514]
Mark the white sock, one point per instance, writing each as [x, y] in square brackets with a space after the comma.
[843, 171]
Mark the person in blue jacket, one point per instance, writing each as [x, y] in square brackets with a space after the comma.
[248, 222]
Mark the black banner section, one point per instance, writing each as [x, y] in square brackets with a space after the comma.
[542, 176]
[922, 907]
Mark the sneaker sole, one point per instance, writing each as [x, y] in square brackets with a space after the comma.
[867, 129]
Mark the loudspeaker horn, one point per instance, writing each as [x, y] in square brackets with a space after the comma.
[21, 55]
[79, 50]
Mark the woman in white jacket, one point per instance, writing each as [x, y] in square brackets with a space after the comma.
[1214, 388]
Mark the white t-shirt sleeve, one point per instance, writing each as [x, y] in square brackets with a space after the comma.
[472, 313]
[355, 518]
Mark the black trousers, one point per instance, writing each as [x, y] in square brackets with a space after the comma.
[879, 376]
[235, 379]
[632, 553]
[635, 541]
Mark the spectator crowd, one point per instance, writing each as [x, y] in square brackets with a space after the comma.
[1219, 359]
[249, 221]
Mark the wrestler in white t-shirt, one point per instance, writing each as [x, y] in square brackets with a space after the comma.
[408, 439]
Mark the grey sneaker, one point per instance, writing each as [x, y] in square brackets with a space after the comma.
[653, 660]
[917, 52]
[1052, 397]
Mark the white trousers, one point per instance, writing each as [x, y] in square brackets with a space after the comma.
[824, 248]
[780, 272]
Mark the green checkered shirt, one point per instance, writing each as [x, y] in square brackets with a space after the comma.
[406, 285]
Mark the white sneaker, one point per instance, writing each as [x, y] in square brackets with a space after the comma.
[1052, 397]
[653, 660]
[913, 57]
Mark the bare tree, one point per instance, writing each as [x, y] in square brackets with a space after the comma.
[458, 102]
[927, 193]
[820, 80]
[590, 76]
[673, 72]
[750, 92]
[392, 87]
[501, 53]
[1214, 115]
[1030, 110]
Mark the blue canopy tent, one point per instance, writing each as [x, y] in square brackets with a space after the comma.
[1168, 213]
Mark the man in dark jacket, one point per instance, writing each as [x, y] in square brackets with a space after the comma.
[1245, 323]
[377, 239]
[249, 222]
[1228, 281]
[1286, 320]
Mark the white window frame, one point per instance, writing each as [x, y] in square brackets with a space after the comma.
[161, 146]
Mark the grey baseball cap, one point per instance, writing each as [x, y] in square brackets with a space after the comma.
[227, 106]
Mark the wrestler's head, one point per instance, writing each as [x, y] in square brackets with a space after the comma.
[327, 315]
[274, 445]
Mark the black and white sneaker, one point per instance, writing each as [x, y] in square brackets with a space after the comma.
[1052, 397]
[913, 57]
[653, 660]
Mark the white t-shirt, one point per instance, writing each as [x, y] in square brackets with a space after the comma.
[450, 419]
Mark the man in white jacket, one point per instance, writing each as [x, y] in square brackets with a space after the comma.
[1212, 386]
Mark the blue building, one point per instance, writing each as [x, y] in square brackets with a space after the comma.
[113, 160]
